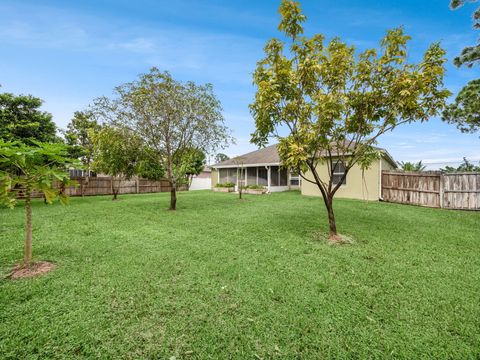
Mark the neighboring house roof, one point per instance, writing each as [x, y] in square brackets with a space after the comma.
[269, 156]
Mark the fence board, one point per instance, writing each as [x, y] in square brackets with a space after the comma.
[103, 186]
[432, 189]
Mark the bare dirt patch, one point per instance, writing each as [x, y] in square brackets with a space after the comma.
[35, 269]
[340, 239]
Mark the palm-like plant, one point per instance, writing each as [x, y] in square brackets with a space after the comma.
[27, 169]
[411, 166]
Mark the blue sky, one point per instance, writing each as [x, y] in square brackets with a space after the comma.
[68, 53]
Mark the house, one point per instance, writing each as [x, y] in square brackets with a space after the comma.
[202, 181]
[263, 167]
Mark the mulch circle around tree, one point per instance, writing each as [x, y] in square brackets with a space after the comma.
[35, 269]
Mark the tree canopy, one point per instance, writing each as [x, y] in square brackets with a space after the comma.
[78, 137]
[170, 117]
[22, 120]
[221, 157]
[324, 103]
[471, 54]
[465, 166]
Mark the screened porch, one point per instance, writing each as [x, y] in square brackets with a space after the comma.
[274, 178]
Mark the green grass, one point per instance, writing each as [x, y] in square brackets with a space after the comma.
[222, 278]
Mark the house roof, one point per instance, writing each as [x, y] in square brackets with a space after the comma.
[266, 156]
[269, 156]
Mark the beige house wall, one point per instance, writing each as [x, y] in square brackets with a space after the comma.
[214, 176]
[364, 185]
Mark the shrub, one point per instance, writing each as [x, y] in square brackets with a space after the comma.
[225, 185]
[257, 187]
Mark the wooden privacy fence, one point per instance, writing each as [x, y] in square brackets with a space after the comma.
[104, 186]
[432, 189]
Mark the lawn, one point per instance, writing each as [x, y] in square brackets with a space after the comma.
[222, 278]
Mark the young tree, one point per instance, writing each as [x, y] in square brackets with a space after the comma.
[77, 137]
[21, 120]
[335, 104]
[116, 152]
[27, 169]
[410, 166]
[170, 117]
[240, 162]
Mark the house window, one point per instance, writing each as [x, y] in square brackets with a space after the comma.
[338, 172]
[294, 179]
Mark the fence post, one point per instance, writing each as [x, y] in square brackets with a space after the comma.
[441, 190]
[137, 181]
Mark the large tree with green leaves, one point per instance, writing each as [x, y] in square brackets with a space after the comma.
[464, 112]
[324, 103]
[22, 120]
[170, 117]
[25, 170]
[78, 137]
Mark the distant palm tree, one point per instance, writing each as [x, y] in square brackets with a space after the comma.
[410, 166]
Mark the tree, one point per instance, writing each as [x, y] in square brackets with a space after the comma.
[170, 117]
[116, 152]
[471, 54]
[465, 166]
[464, 112]
[27, 169]
[410, 166]
[334, 104]
[78, 138]
[21, 120]
[221, 157]
[240, 162]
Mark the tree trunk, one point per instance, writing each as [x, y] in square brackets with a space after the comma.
[27, 258]
[173, 198]
[116, 190]
[333, 235]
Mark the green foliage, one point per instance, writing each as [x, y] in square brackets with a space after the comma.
[253, 187]
[336, 103]
[465, 111]
[225, 185]
[25, 169]
[221, 157]
[465, 166]
[77, 136]
[21, 120]
[148, 166]
[471, 54]
[116, 151]
[195, 161]
[410, 166]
